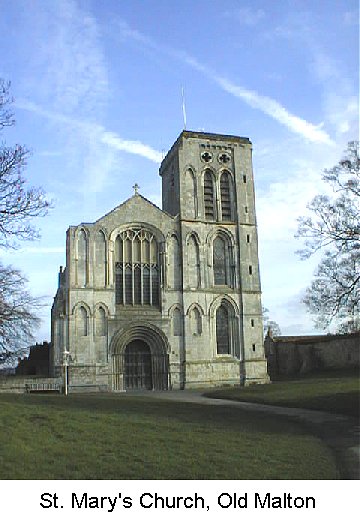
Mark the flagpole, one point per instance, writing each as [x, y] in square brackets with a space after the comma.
[183, 106]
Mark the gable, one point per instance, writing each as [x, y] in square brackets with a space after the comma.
[136, 210]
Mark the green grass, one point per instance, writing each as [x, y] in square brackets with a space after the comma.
[127, 437]
[336, 393]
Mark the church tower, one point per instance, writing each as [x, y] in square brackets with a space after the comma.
[167, 298]
[207, 183]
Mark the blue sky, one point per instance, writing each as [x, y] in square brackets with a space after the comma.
[97, 88]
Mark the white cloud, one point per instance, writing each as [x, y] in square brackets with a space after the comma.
[339, 93]
[96, 133]
[265, 104]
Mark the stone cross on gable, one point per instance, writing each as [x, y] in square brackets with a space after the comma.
[136, 188]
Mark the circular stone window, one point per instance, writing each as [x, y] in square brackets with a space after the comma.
[206, 157]
[224, 158]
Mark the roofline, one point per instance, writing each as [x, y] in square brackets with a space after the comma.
[204, 135]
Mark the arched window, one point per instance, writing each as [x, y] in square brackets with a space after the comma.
[195, 321]
[223, 340]
[82, 259]
[209, 196]
[219, 261]
[174, 263]
[193, 261]
[190, 206]
[177, 322]
[222, 257]
[225, 196]
[100, 260]
[137, 280]
[81, 321]
[100, 322]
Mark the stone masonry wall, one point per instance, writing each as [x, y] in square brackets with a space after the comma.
[292, 355]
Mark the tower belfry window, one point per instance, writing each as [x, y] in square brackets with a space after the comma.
[225, 196]
[136, 268]
[209, 199]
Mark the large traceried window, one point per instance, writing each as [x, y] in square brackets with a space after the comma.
[137, 277]
[209, 196]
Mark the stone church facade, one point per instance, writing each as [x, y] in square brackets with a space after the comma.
[167, 299]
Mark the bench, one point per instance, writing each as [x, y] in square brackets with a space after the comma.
[42, 387]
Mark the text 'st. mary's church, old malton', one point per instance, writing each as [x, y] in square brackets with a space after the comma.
[167, 299]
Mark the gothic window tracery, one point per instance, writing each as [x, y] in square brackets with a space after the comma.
[136, 268]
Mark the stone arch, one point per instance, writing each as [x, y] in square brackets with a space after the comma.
[225, 324]
[81, 304]
[189, 206]
[226, 195]
[220, 299]
[193, 260]
[101, 315]
[82, 256]
[173, 261]
[158, 347]
[195, 314]
[100, 258]
[209, 193]
[221, 258]
[176, 320]
[82, 315]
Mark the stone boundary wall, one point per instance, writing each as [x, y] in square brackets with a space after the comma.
[20, 385]
[296, 355]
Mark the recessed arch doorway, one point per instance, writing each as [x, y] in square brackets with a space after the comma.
[140, 359]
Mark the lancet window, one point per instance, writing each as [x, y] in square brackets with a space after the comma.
[209, 196]
[137, 277]
[223, 339]
[225, 196]
[221, 261]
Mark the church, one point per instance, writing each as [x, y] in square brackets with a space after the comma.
[169, 298]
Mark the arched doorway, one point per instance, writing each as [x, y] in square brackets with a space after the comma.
[138, 370]
[140, 358]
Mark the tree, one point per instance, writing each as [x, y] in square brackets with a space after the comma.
[270, 324]
[17, 314]
[334, 227]
[18, 205]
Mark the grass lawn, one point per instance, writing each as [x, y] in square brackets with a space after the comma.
[128, 437]
[336, 393]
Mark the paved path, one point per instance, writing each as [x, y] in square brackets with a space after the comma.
[339, 432]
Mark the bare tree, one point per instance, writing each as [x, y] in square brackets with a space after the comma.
[18, 202]
[18, 318]
[18, 205]
[334, 226]
[270, 324]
